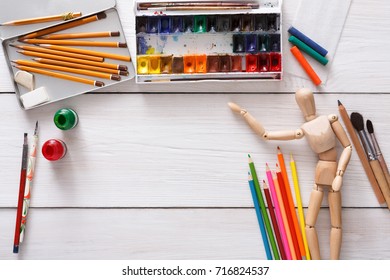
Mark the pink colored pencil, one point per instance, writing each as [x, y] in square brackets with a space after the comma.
[278, 213]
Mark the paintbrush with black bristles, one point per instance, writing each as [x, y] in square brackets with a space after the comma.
[358, 123]
[378, 151]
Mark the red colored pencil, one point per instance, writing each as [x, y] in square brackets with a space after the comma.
[288, 213]
[22, 186]
[271, 211]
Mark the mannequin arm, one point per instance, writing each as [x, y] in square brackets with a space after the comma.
[258, 128]
[345, 155]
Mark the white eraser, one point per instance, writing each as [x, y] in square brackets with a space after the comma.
[34, 98]
[25, 79]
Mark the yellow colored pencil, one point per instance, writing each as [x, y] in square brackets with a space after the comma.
[299, 204]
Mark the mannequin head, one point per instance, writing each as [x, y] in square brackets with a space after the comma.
[305, 100]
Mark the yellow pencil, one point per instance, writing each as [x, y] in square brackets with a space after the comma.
[64, 26]
[114, 77]
[60, 75]
[81, 35]
[299, 204]
[61, 53]
[76, 43]
[65, 16]
[88, 52]
[75, 60]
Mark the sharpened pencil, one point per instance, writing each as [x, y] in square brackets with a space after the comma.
[64, 17]
[75, 60]
[76, 43]
[114, 77]
[263, 209]
[259, 217]
[59, 53]
[64, 26]
[81, 35]
[60, 75]
[81, 66]
[87, 52]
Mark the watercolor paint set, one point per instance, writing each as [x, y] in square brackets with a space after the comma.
[61, 58]
[182, 41]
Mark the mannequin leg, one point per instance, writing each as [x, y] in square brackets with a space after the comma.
[335, 220]
[311, 220]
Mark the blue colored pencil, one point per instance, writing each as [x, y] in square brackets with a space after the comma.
[259, 217]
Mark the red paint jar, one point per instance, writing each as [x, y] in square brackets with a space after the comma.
[54, 149]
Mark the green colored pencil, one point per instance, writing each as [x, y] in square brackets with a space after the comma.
[263, 210]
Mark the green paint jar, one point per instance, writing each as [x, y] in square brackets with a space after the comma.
[66, 119]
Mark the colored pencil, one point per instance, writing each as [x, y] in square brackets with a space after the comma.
[76, 43]
[59, 75]
[59, 53]
[29, 178]
[262, 207]
[65, 16]
[288, 213]
[279, 217]
[271, 211]
[81, 66]
[22, 187]
[107, 76]
[81, 35]
[284, 216]
[299, 204]
[361, 153]
[291, 202]
[259, 217]
[74, 60]
[64, 26]
[88, 52]
[306, 66]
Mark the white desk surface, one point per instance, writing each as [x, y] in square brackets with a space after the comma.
[155, 175]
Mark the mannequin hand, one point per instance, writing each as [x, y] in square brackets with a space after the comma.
[337, 183]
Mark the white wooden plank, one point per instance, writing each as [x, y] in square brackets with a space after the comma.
[176, 234]
[360, 64]
[159, 150]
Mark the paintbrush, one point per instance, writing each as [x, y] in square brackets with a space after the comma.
[378, 151]
[358, 124]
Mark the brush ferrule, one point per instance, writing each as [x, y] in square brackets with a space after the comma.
[377, 150]
[367, 145]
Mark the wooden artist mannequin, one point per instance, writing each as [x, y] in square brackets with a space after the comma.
[321, 133]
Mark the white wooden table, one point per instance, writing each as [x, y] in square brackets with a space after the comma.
[152, 174]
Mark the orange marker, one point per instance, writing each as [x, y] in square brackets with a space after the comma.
[306, 66]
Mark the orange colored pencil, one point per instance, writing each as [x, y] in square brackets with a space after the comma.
[114, 77]
[64, 26]
[60, 75]
[76, 43]
[81, 35]
[75, 60]
[291, 203]
[88, 52]
[61, 53]
[284, 216]
[65, 16]
[80, 66]
[288, 212]
[306, 66]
